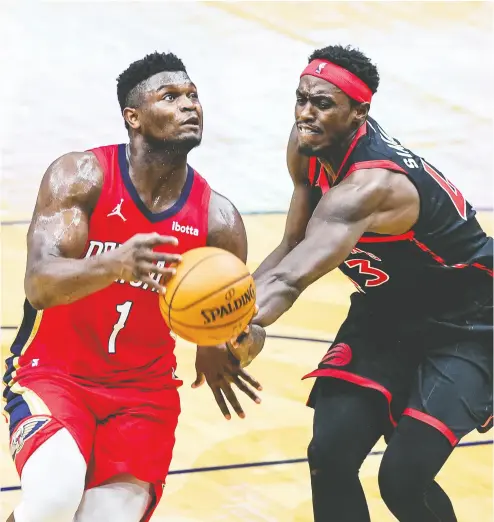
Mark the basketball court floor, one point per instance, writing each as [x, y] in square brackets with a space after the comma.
[255, 469]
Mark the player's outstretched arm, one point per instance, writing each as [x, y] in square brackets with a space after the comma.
[300, 209]
[58, 233]
[368, 200]
[215, 364]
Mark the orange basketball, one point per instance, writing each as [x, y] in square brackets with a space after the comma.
[211, 298]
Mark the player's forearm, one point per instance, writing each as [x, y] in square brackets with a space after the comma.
[279, 288]
[273, 259]
[275, 295]
[59, 281]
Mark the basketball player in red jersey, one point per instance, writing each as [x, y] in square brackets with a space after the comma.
[91, 388]
[413, 359]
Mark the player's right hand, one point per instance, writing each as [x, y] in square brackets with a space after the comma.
[216, 366]
[136, 260]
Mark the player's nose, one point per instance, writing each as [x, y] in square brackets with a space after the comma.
[305, 113]
[186, 104]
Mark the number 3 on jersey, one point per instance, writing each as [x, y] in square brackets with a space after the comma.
[364, 267]
[124, 311]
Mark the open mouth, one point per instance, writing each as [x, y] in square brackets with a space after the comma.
[191, 122]
[306, 130]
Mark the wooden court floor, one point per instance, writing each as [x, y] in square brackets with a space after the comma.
[262, 474]
[254, 469]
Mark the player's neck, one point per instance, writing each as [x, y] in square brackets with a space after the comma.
[156, 173]
[333, 158]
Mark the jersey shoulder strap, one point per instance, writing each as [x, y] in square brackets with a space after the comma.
[380, 151]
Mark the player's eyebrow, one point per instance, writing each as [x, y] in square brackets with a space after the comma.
[174, 86]
[315, 94]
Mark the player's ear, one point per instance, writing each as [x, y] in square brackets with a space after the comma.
[360, 112]
[132, 118]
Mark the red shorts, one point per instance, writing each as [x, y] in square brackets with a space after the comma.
[118, 430]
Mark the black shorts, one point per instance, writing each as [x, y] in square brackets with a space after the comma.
[435, 371]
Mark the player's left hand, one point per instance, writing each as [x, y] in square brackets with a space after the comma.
[248, 345]
[220, 369]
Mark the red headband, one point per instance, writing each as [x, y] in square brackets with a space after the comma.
[352, 86]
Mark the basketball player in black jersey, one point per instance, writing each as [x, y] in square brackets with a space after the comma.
[413, 359]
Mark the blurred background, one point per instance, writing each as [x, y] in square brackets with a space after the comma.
[59, 66]
[62, 60]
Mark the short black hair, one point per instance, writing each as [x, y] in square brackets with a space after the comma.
[352, 60]
[140, 71]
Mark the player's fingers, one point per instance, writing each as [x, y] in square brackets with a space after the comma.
[248, 378]
[226, 388]
[154, 257]
[247, 390]
[235, 342]
[146, 268]
[218, 396]
[234, 362]
[153, 240]
[167, 272]
[151, 283]
[200, 378]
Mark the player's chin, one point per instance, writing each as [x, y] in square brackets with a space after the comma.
[311, 145]
[186, 141]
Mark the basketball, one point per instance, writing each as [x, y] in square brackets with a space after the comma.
[210, 299]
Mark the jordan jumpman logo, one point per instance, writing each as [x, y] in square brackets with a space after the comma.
[117, 211]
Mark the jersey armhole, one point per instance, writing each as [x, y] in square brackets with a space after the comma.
[375, 164]
[103, 160]
[101, 157]
[206, 197]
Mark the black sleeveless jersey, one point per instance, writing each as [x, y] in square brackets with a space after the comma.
[445, 261]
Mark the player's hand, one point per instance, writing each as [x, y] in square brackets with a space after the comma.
[217, 366]
[136, 260]
[247, 346]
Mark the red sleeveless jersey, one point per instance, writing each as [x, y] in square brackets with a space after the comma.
[116, 336]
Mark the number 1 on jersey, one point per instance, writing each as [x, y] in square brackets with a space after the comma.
[124, 311]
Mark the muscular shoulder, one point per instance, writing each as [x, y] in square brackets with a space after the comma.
[390, 197]
[378, 181]
[75, 178]
[381, 185]
[225, 226]
[223, 215]
[298, 165]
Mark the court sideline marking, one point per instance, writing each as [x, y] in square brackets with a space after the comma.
[265, 463]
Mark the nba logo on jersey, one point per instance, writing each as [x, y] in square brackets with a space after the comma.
[320, 67]
[25, 431]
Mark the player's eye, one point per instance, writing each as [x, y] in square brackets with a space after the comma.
[324, 104]
[169, 97]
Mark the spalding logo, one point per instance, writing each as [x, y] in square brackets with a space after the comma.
[212, 314]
